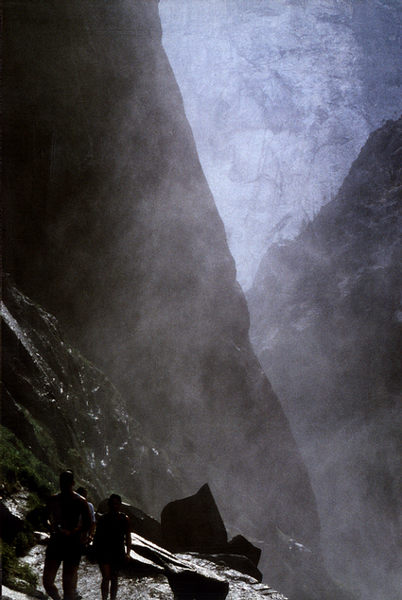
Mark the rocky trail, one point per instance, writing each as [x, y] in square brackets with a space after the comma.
[134, 586]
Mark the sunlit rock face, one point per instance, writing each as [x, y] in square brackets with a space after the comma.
[327, 326]
[280, 96]
[113, 230]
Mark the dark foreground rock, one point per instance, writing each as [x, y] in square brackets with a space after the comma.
[189, 576]
[193, 523]
[186, 579]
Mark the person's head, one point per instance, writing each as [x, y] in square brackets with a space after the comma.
[114, 503]
[66, 481]
[82, 492]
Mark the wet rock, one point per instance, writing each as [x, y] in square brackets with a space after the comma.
[134, 584]
[193, 523]
[9, 594]
[13, 511]
[140, 565]
[186, 579]
[238, 562]
[242, 586]
[49, 386]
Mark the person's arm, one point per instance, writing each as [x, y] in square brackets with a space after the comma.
[86, 521]
[50, 521]
[128, 537]
[93, 521]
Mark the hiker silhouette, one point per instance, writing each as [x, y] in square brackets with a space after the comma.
[69, 518]
[111, 536]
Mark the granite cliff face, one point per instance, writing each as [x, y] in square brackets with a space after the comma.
[281, 96]
[112, 229]
[70, 415]
[326, 321]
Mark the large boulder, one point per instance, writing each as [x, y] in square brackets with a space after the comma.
[193, 523]
[187, 579]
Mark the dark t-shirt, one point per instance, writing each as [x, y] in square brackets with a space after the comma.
[110, 537]
[69, 517]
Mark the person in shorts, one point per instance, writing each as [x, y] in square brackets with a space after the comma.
[69, 519]
[112, 545]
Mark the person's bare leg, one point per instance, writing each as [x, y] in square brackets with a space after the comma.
[113, 585]
[106, 573]
[49, 575]
[70, 573]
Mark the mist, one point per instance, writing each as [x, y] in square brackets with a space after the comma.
[131, 229]
[281, 98]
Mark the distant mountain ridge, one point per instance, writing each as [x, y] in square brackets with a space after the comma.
[326, 324]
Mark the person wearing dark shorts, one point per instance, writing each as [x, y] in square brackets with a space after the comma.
[69, 518]
[112, 545]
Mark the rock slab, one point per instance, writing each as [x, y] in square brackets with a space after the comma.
[193, 523]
